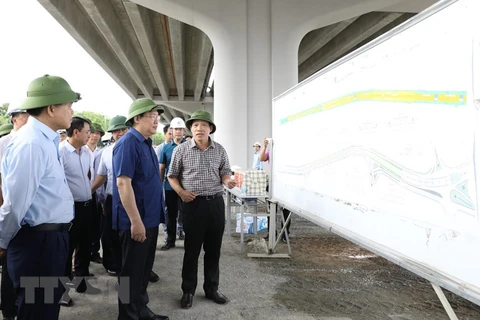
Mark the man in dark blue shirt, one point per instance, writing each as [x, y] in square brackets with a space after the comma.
[137, 206]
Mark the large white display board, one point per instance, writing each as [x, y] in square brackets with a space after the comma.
[383, 147]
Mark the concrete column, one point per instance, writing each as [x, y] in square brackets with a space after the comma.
[256, 55]
[259, 77]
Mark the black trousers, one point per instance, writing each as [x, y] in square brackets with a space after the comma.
[204, 224]
[174, 205]
[96, 228]
[80, 241]
[32, 254]
[137, 264]
[8, 294]
[112, 251]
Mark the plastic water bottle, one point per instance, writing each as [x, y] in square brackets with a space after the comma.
[244, 189]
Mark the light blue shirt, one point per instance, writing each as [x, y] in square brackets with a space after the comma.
[159, 148]
[77, 165]
[35, 190]
[105, 168]
[257, 164]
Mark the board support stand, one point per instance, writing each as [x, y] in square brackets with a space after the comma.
[444, 301]
[272, 241]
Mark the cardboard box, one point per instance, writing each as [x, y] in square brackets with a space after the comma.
[262, 223]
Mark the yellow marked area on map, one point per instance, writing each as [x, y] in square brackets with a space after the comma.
[432, 97]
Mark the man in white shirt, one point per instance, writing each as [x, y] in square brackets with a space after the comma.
[77, 165]
[111, 245]
[98, 197]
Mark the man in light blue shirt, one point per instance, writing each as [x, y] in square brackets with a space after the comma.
[38, 205]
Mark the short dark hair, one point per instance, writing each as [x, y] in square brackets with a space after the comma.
[36, 112]
[77, 123]
[165, 129]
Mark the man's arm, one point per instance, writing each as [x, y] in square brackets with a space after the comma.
[99, 180]
[26, 167]
[125, 190]
[263, 152]
[162, 171]
[186, 195]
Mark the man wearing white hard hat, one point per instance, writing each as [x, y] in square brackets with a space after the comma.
[18, 118]
[177, 125]
[257, 164]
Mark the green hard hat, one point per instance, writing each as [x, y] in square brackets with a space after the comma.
[201, 115]
[140, 106]
[85, 120]
[5, 129]
[117, 123]
[48, 90]
[97, 127]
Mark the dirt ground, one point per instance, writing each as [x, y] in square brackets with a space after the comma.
[329, 276]
[326, 278]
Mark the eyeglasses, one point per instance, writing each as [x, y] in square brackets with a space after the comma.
[152, 116]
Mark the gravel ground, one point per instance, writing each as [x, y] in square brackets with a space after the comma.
[326, 278]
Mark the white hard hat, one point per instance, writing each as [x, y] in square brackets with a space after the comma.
[11, 110]
[177, 123]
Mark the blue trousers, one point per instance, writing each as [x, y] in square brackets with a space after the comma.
[38, 255]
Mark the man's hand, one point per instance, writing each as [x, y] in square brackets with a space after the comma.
[3, 252]
[229, 183]
[138, 231]
[187, 196]
[265, 142]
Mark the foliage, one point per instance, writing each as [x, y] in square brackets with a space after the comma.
[3, 113]
[95, 118]
[158, 138]
[101, 119]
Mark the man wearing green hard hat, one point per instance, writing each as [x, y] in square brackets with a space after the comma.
[110, 242]
[18, 118]
[138, 205]
[5, 129]
[198, 170]
[96, 133]
[36, 232]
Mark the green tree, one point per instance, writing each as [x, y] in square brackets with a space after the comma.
[158, 138]
[95, 118]
[3, 113]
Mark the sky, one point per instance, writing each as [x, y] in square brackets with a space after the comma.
[33, 43]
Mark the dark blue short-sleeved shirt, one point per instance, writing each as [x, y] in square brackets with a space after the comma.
[166, 157]
[134, 157]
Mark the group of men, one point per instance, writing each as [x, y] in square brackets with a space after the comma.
[49, 189]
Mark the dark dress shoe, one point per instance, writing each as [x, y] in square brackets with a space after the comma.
[66, 302]
[96, 258]
[153, 277]
[181, 235]
[155, 317]
[186, 301]
[112, 273]
[217, 297]
[85, 287]
[167, 246]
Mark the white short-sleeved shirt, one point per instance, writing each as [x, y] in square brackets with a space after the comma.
[105, 167]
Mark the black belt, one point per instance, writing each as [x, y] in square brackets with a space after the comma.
[62, 227]
[83, 203]
[214, 196]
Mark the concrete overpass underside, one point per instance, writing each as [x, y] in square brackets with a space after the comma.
[152, 55]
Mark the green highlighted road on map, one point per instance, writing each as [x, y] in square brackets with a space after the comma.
[453, 98]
